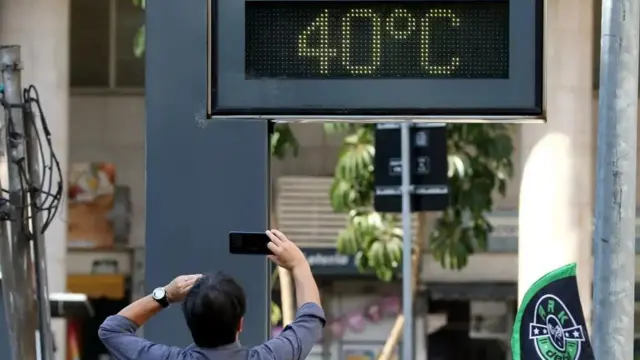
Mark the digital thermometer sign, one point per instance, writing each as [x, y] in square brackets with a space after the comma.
[342, 58]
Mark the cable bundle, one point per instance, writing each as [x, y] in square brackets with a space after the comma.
[42, 194]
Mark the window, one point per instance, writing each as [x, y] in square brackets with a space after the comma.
[101, 45]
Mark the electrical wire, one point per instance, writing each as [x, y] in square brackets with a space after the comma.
[42, 195]
[49, 194]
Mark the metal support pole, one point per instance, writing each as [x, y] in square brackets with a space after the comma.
[615, 206]
[16, 259]
[407, 273]
[33, 149]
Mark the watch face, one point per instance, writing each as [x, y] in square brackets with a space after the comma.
[158, 293]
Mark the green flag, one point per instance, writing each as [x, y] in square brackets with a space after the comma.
[550, 324]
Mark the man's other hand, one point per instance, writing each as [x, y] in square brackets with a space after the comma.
[285, 252]
[179, 287]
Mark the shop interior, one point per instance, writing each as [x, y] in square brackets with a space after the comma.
[103, 269]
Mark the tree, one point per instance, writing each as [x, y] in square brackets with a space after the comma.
[479, 164]
[283, 143]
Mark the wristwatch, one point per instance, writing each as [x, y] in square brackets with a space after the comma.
[160, 295]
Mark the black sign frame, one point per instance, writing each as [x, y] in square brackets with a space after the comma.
[232, 95]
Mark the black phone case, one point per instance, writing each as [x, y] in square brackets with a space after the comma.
[248, 243]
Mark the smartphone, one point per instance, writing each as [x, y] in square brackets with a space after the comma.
[250, 243]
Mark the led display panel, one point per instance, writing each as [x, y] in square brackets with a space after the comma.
[364, 40]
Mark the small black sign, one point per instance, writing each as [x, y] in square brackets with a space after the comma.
[428, 158]
[550, 324]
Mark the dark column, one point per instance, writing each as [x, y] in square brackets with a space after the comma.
[5, 350]
[204, 179]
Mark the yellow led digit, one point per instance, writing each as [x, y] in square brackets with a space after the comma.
[438, 70]
[321, 51]
[375, 41]
[400, 24]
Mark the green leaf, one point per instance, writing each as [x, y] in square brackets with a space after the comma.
[276, 314]
[376, 255]
[347, 241]
[356, 159]
[384, 274]
[458, 165]
[362, 262]
[283, 141]
[139, 42]
[394, 249]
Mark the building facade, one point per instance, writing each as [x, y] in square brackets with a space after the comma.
[80, 55]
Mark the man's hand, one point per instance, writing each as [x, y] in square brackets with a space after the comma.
[178, 288]
[285, 252]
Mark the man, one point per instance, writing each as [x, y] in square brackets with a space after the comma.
[214, 306]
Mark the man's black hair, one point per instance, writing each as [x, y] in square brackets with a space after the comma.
[213, 309]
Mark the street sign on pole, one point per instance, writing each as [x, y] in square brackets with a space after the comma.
[348, 59]
[410, 175]
[429, 184]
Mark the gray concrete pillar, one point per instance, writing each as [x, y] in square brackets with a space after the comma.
[556, 192]
[204, 179]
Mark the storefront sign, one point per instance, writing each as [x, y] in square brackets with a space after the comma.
[327, 261]
[319, 259]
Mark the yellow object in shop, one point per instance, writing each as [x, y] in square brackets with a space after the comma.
[96, 286]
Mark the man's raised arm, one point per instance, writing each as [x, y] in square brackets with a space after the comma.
[118, 332]
[298, 338]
